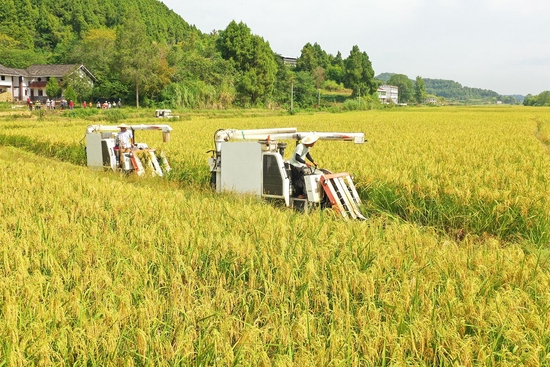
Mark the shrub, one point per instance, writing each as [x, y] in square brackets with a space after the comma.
[82, 112]
[115, 115]
[331, 85]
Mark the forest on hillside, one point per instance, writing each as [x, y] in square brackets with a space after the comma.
[146, 54]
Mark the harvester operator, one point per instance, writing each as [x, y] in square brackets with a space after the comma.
[124, 141]
[298, 164]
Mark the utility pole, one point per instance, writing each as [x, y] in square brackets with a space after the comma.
[318, 97]
[291, 95]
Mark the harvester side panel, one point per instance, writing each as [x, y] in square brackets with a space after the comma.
[242, 168]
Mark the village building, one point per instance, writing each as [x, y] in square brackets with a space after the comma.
[387, 93]
[288, 61]
[30, 83]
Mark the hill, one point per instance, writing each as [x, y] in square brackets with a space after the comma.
[455, 92]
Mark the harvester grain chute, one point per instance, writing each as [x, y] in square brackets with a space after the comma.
[257, 166]
[102, 150]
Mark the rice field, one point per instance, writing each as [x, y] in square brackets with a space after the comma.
[451, 269]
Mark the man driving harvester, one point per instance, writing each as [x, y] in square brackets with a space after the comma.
[124, 142]
[298, 164]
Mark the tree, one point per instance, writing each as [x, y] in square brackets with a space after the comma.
[307, 60]
[70, 94]
[319, 76]
[253, 59]
[135, 53]
[405, 85]
[283, 82]
[336, 70]
[304, 89]
[419, 90]
[312, 57]
[196, 60]
[542, 99]
[53, 90]
[359, 74]
[97, 51]
[528, 100]
[80, 84]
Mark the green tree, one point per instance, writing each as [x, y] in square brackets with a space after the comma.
[318, 75]
[135, 54]
[304, 89]
[97, 51]
[405, 85]
[53, 89]
[283, 81]
[420, 90]
[528, 100]
[203, 78]
[70, 94]
[307, 60]
[253, 59]
[80, 84]
[542, 99]
[336, 69]
[312, 57]
[359, 74]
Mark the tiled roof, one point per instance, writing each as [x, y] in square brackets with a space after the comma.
[4, 70]
[57, 71]
[51, 70]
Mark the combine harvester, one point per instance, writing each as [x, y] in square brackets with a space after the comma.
[102, 152]
[259, 168]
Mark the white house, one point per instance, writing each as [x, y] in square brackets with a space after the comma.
[387, 93]
[31, 82]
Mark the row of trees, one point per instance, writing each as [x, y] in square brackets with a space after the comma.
[542, 99]
[144, 53]
[229, 67]
[409, 91]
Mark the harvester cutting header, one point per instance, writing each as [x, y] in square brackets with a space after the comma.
[259, 168]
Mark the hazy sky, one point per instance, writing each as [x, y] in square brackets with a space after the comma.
[502, 45]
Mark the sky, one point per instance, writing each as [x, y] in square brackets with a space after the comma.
[501, 45]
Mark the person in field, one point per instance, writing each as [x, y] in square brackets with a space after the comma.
[298, 164]
[124, 141]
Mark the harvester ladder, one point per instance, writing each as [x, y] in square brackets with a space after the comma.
[342, 194]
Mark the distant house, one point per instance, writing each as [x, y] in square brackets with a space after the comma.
[31, 82]
[387, 93]
[431, 100]
[288, 61]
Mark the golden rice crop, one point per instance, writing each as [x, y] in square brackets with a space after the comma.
[101, 269]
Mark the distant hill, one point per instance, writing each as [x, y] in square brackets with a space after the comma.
[384, 77]
[455, 92]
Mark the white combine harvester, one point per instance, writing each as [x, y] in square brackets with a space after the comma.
[258, 167]
[101, 150]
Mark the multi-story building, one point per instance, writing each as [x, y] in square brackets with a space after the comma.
[387, 93]
[30, 83]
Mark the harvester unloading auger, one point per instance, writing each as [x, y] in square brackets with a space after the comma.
[258, 167]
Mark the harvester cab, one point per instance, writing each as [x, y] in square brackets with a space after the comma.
[257, 166]
[102, 150]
